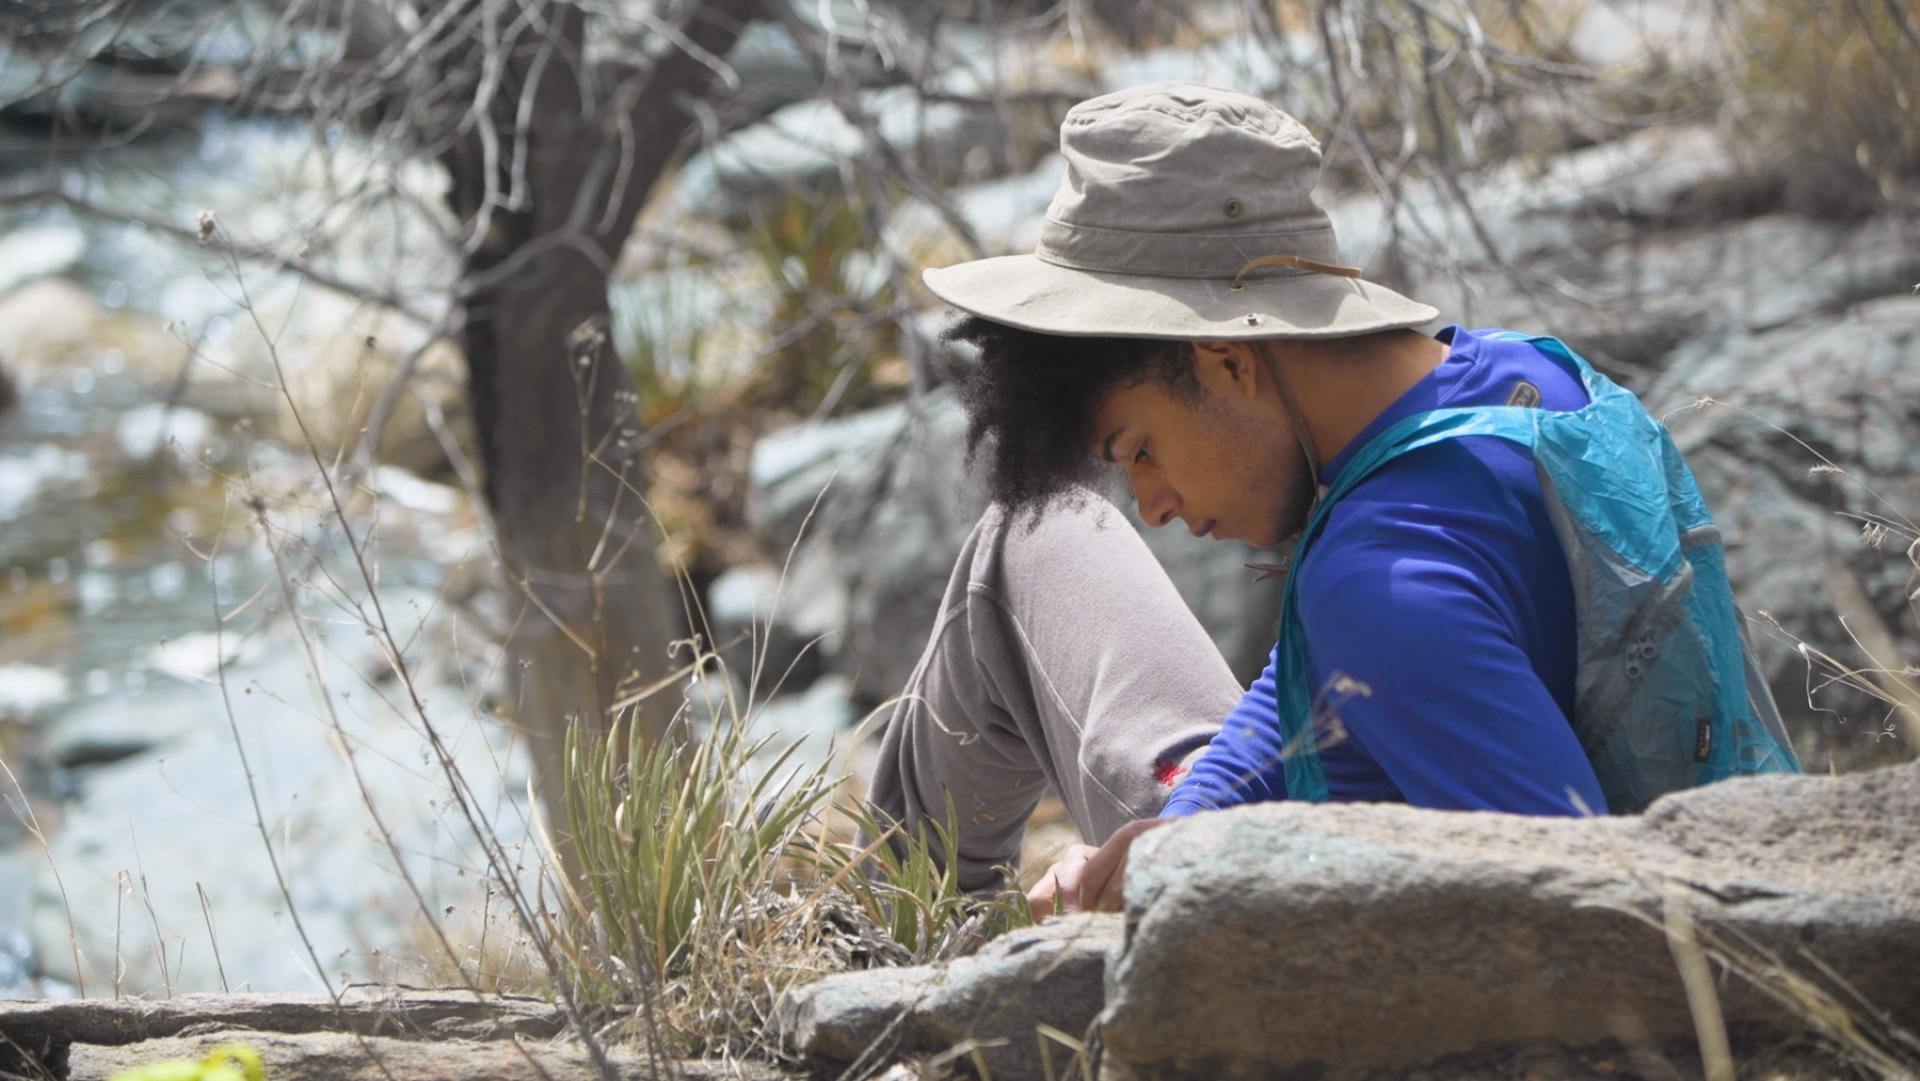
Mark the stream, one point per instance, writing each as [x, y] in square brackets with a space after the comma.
[157, 750]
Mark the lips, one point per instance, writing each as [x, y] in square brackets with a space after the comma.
[1204, 529]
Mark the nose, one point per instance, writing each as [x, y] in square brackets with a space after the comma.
[1158, 502]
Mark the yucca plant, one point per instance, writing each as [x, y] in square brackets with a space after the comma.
[678, 842]
[710, 879]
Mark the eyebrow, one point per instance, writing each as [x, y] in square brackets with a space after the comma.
[1106, 447]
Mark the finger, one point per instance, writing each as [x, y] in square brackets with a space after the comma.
[1069, 874]
[1113, 890]
[1041, 898]
[1104, 877]
[1099, 877]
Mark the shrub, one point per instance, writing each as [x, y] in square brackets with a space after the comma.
[1829, 90]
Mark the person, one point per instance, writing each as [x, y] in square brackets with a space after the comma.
[1506, 595]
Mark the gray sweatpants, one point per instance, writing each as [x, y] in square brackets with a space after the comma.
[1062, 656]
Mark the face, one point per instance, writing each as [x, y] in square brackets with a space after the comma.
[1225, 463]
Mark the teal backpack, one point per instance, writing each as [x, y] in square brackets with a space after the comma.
[1668, 694]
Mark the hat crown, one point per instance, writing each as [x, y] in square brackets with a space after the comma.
[1185, 180]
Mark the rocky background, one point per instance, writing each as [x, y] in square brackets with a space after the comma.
[813, 504]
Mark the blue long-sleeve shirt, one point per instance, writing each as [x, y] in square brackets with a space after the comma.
[1439, 590]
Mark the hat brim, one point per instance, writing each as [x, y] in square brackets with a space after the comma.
[1028, 292]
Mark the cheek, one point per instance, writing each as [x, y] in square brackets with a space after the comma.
[1272, 467]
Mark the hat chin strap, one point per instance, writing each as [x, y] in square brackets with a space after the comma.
[1298, 421]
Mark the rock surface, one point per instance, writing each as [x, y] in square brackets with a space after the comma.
[421, 1036]
[332, 1056]
[1645, 295]
[1293, 940]
[753, 634]
[1282, 939]
[1047, 975]
[1801, 541]
[799, 147]
[438, 1014]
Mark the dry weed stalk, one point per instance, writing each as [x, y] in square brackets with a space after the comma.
[376, 623]
[1885, 676]
[1805, 987]
[22, 808]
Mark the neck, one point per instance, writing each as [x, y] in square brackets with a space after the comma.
[1342, 385]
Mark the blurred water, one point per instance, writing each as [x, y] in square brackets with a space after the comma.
[361, 214]
[101, 486]
[111, 718]
[111, 500]
[92, 564]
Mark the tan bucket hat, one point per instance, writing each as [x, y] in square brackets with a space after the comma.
[1187, 212]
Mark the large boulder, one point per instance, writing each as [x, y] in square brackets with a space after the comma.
[801, 147]
[743, 613]
[1630, 295]
[879, 504]
[1290, 940]
[1467, 240]
[1285, 939]
[814, 118]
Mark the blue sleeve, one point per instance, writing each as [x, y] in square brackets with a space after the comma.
[1242, 763]
[1455, 714]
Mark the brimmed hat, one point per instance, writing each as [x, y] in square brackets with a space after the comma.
[1186, 212]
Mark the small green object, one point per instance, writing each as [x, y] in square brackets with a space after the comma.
[227, 1062]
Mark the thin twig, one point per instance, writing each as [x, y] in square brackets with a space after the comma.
[206, 910]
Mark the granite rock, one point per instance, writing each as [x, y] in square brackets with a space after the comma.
[1287, 940]
[993, 1001]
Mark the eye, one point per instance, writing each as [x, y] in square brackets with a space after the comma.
[1140, 455]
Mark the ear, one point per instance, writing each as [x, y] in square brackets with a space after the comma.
[1228, 368]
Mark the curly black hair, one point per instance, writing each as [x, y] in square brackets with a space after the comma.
[1030, 400]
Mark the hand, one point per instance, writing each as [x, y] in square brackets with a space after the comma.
[1088, 879]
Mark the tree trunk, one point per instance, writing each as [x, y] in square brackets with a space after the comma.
[552, 404]
[594, 610]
